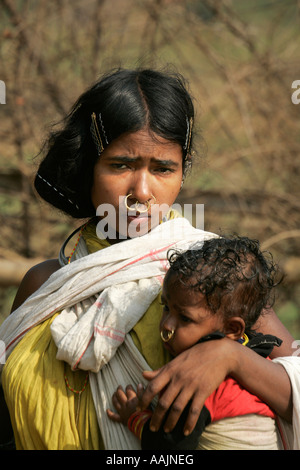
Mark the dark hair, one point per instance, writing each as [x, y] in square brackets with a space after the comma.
[123, 101]
[235, 277]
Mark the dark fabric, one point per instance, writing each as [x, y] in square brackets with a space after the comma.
[175, 440]
[262, 344]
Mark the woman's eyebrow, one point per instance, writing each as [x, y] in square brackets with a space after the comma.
[165, 162]
[121, 158]
[158, 161]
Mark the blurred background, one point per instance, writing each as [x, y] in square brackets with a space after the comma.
[240, 59]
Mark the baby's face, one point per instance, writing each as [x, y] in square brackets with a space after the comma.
[186, 312]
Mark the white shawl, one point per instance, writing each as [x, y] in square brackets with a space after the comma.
[101, 296]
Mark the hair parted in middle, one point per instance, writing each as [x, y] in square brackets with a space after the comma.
[120, 102]
[232, 273]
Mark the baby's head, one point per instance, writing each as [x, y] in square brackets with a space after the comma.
[222, 285]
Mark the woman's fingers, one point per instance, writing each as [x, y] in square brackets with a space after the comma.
[170, 408]
[163, 385]
[190, 377]
[164, 405]
[157, 382]
[150, 374]
[183, 398]
[194, 407]
[193, 415]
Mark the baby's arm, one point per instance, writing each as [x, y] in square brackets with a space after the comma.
[125, 403]
[138, 422]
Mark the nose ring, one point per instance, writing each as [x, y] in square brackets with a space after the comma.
[166, 335]
[137, 204]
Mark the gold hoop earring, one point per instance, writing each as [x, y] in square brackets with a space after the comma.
[166, 335]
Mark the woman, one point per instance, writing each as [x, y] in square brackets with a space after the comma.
[126, 145]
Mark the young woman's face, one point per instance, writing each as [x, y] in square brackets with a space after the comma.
[148, 170]
[186, 312]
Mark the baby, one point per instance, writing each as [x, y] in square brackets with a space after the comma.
[211, 291]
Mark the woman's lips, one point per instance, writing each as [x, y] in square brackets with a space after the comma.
[138, 219]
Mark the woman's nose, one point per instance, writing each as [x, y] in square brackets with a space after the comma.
[141, 186]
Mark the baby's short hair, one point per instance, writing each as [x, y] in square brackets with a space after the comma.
[235, 277]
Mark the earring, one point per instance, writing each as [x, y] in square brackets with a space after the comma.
[166, 335]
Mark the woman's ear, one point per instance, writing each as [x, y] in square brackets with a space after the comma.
[235, 328]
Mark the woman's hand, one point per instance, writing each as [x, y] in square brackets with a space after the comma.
[192, 375]
[197, 372]
[125, 403]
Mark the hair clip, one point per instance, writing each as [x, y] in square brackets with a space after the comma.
[103, 130]
[96, 134]
[189, 127]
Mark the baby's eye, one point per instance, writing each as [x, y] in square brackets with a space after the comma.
[165, 307]
[185, 319]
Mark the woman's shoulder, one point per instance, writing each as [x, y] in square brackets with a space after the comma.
[33, 279]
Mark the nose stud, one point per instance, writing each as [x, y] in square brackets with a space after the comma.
[137, 204]
[166, 335]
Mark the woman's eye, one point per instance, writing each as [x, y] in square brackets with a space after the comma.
[164, 170]
[119, 166]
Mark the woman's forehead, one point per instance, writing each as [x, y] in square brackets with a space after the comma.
[143, 143]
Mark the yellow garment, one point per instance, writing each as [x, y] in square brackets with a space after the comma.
[44, 412]
[42, 409]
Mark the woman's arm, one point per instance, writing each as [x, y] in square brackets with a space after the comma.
[34, 278]
[269, 323]
[197, 372]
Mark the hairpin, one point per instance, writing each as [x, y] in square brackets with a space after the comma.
[56, 190]
[103, 130]
[96, 134]
[189, 127]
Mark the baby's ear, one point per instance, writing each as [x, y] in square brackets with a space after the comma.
[235, 328]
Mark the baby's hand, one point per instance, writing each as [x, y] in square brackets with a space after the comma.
[125, 403]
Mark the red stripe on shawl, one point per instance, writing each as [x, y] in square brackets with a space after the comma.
[55, 310]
